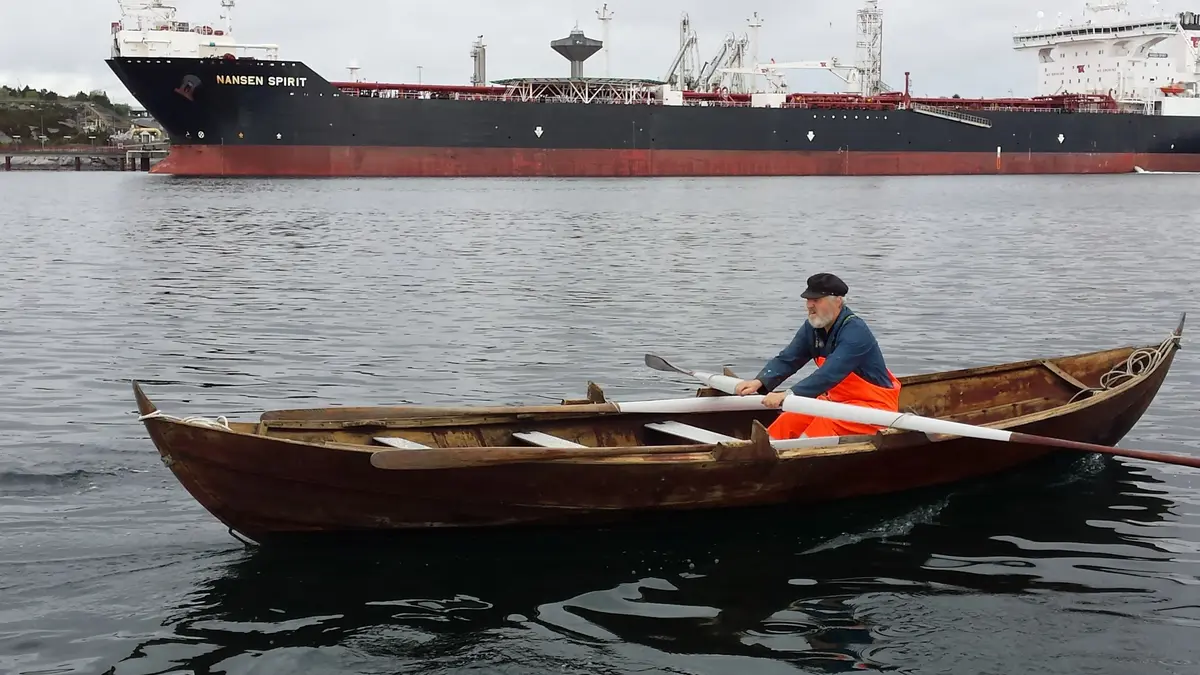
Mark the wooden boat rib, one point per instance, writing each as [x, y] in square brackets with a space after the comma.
[310, 470]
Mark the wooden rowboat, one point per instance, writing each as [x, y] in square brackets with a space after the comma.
[589, 461]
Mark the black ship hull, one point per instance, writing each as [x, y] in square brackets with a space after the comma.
[277, 118]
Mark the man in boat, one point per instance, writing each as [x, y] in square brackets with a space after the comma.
[850, 366]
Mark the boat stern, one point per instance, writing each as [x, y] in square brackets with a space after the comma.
[144, 404]
[153, 419]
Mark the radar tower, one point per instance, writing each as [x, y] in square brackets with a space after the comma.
[576, 48]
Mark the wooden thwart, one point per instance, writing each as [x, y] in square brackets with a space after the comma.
[1069, 378]
[692, 433]
[820, 441]
[699, 435]
[677, 429]
[402, 443]
[545, 440]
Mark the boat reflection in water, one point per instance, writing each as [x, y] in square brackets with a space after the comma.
[865, 584]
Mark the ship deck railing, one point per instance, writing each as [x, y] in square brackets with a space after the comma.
[711, 103]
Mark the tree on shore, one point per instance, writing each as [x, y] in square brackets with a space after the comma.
[26, 112]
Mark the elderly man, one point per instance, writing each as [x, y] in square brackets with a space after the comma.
[850, 366]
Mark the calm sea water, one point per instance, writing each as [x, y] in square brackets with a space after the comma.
[230, 297]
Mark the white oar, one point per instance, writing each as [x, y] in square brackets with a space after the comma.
[854, 413]
[691, 404]
[723, 383]
[884, 418]
[815, 407]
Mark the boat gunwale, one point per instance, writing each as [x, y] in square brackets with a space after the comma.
[711, 452]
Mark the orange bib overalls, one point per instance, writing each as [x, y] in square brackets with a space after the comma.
[852, 390]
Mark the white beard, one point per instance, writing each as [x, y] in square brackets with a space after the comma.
[819, 321]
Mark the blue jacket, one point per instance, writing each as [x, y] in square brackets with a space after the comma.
[851, 349]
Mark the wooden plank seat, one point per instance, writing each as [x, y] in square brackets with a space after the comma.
[819, 441]
[691, 433]
[545, 440]
[699, 435]
[402, 443]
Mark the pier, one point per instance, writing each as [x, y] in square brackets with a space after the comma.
[132, 157]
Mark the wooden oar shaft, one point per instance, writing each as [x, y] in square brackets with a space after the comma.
[1167, 458]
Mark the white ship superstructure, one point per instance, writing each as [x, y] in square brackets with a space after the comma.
[148, 28]
[1113, 52]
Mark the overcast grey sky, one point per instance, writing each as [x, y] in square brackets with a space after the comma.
[951, 46]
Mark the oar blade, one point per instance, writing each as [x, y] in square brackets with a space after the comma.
[657, 362]
[722, 383]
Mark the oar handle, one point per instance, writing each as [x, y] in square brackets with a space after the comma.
[1167, 458]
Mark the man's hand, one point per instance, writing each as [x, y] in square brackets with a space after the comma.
[746, 387]
[775, 399]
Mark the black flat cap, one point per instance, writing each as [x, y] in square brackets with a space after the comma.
[823, 284]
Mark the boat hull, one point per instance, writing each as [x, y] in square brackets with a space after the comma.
[393, 162]
[268, 488]
[267, 118]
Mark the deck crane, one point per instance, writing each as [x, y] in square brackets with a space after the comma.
[851, 75]
[729, 57]
[864, 77]
[682, 73]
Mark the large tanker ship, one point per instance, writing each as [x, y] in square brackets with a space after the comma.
[1116, 92]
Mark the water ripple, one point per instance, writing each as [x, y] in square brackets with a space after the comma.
[228, 297]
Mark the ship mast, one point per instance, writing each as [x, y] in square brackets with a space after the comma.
[870, 48]
[605, 17]
[755, 23]
[227, 15]
[479, 58]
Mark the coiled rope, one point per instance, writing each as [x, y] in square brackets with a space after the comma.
[220, 423]
[1140, 362]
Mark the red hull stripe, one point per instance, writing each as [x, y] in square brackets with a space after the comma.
[217, 160]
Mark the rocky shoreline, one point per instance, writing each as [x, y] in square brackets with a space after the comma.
[76, 162]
